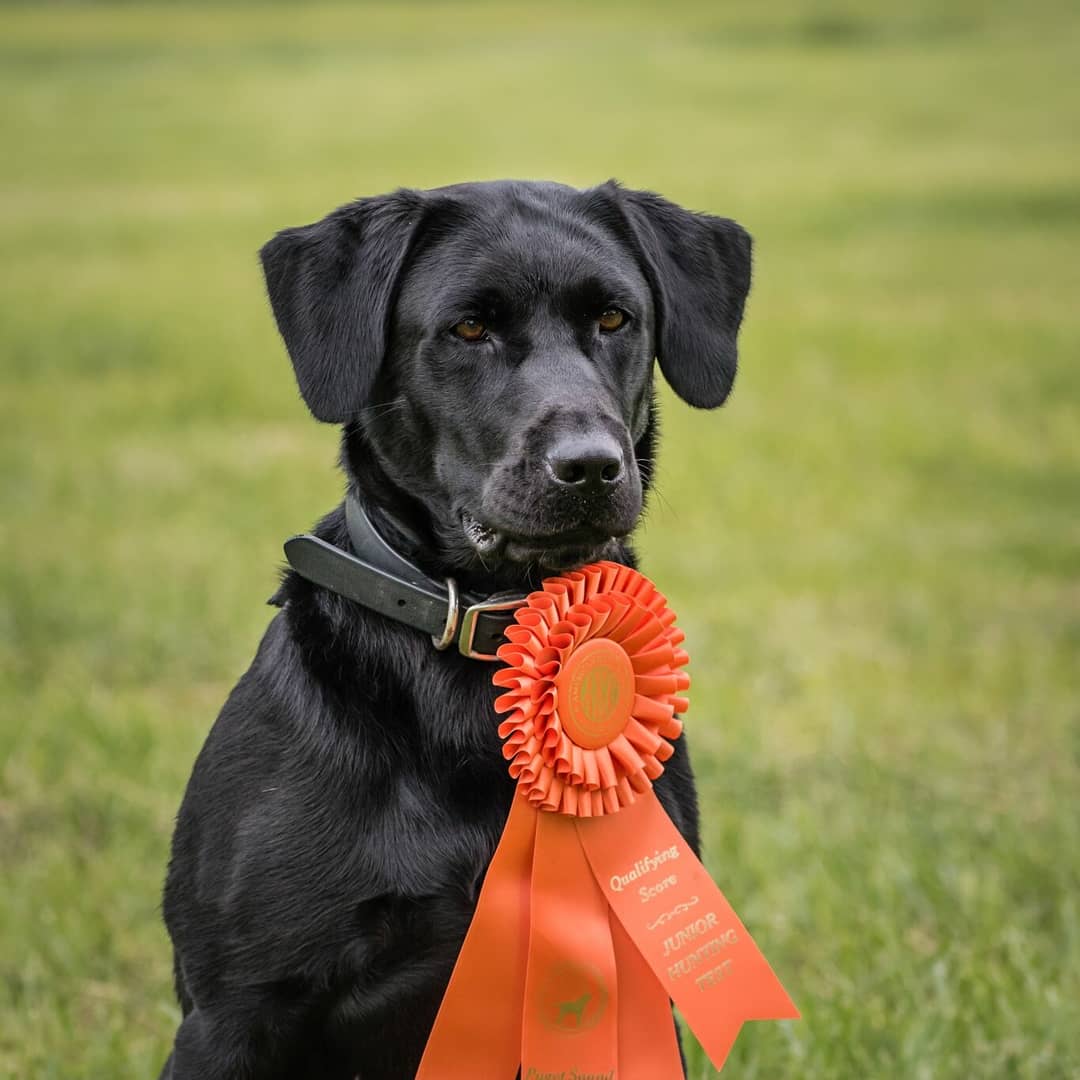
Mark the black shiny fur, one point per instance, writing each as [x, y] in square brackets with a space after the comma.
[343, 811]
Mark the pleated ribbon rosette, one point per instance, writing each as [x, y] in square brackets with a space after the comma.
[595, 915]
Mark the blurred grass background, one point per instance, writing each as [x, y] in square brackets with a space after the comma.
[873, 548]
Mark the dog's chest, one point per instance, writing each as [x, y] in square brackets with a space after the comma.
[434, 835]
[423, 862]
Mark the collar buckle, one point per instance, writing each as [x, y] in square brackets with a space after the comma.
[498, 602]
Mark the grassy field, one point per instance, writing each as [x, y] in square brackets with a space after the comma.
[874, 549]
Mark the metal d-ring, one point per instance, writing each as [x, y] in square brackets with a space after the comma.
[453, 612]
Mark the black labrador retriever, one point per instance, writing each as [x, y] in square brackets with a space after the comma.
[489, 350]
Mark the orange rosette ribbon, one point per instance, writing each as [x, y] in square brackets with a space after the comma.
[592, 684]
[595, 915]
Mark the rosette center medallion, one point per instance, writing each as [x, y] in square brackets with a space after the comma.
[595, 692]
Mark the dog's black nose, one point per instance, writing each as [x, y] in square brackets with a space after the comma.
[586, 464]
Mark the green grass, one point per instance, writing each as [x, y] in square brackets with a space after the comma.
[874, 549]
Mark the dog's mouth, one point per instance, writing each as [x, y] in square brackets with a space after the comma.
[556, 552]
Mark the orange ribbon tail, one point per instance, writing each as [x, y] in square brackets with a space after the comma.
[686, 931]
[570, 990]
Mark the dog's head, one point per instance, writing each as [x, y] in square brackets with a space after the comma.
[489, 348]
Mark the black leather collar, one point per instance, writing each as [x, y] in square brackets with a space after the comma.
[382, 579]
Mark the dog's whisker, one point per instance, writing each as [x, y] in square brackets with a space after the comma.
[369, 412]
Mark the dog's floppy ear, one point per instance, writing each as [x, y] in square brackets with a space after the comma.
[332, 287]
[698, 268]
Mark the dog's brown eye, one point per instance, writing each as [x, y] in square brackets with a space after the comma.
[470, 329]
[611, 319]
